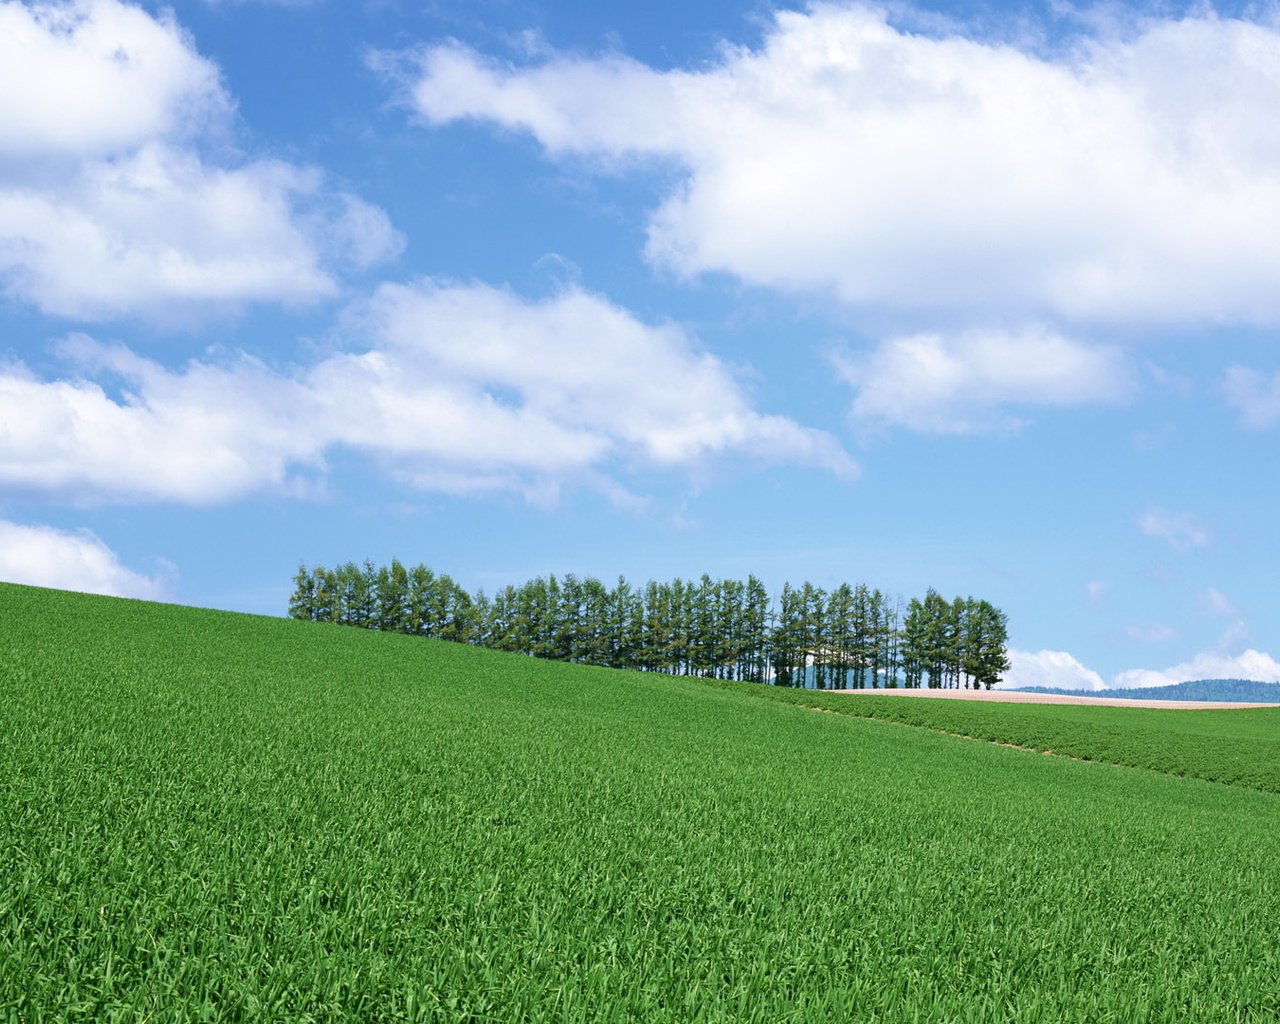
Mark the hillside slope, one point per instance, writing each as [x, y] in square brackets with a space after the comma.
[218, 817]
[1237, 746]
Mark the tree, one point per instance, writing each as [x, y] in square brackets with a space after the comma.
[990, 657]
[787, 636]
[302, 605]
[936, 611]
[913, 647]
[392, 599]
[757, 629]
[722, 628]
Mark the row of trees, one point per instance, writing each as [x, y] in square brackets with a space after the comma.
[850, 636]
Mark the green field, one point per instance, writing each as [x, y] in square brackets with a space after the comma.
[1238, 746]
[206, 816]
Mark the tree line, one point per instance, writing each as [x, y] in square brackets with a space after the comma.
[849, 636]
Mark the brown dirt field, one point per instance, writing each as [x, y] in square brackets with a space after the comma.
[1017, 697]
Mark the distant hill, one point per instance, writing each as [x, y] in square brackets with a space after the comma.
[1244, 690]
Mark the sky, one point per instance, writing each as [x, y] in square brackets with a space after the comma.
[978, 297]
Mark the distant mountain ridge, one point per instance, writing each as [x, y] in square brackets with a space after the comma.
[1243, 690]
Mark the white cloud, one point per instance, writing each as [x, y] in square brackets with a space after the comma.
[587, 366]
[456, 388]
[44, 557]
[1256, 397]
[97, 78]
[1251, 664]
[1061, 670]
[199, 435]
[107, 207]
[1135, 178]
[1181, 531]
[160, 232]
[1097, 590]
[1056, 669]
[961, 384]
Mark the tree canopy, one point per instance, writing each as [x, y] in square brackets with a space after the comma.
[849, 637]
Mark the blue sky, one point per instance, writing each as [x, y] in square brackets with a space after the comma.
[976, 297]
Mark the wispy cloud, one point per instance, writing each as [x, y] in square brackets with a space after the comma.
[1254, 395]
[1151, 634]
[1181, 531]
[1219, 604]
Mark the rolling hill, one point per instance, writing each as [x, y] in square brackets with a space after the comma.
[217, 817]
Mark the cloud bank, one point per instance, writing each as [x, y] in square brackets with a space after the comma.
[1059, 669]
[1251, 664]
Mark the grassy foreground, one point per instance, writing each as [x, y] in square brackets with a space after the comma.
[213, 817]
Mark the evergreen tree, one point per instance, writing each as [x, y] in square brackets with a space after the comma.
[991, 658]
[717, 628]
[913, 650]
[302, 604]
[787, 638]
[757, 630]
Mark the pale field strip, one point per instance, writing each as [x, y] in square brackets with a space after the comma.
[1018, 697]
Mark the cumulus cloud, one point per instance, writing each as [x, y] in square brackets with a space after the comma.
[162, 231]
[452, 387]
[1251, 664]
[44, 557]
[583, 363]
[1132, 179]
[1061, 670]
[1056, 669]
[107, 206]
[198, 435]
[1181, 531]
[97, 78]
[964, 383]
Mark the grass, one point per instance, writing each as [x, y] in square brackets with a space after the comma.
[213, 817]
[1239, 746]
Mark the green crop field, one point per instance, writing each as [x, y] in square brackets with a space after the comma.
[1239, 746]
[215, 817]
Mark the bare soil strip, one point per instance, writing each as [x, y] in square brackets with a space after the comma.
[1017, 697]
